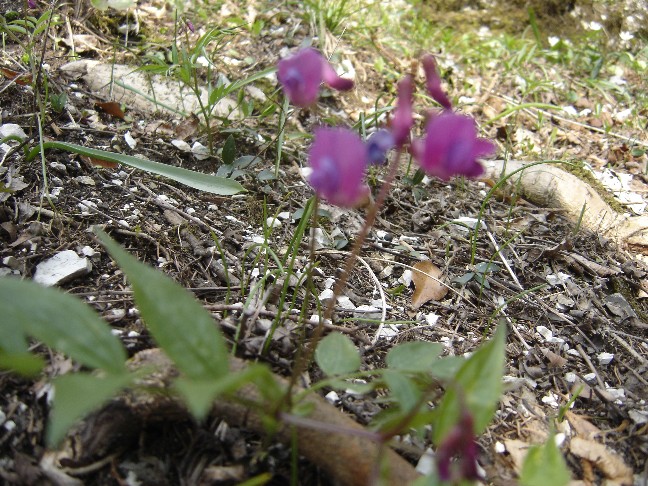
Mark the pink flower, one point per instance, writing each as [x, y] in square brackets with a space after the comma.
[301, 76]
[451, 147]
[433, 82]
[403, 119]
[339, 160]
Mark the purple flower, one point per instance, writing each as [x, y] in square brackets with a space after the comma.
[433, 82]
[190, 26]
[459, 443]
[403, 119]
[451, 147]
[31, 4]
[339, 160]
[301, 75]
[378, 144]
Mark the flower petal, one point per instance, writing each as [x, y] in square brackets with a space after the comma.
[338, 158]
[433, 82]
[451, 147]
[333, 80]
[300, 76]
[378, 144]
[403, 118]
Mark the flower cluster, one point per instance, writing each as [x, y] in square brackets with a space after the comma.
[339, 158]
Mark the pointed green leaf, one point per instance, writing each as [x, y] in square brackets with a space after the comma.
[197, 180]
[179, 324]
[229, 150]
[77, 395]
[61, 321]
[413, 356]
[337, 355]
[477, 386]
[544, 465]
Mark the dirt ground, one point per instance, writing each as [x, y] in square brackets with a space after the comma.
[586, 327]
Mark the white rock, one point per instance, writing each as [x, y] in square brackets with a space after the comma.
[62, 267]
[368, 312]
[431, 319]
[85, 180]
[326, 294]
[639, 417]
[182, 145]
[12, 130]
[406, 278]
[604, 358]
[132, 143]
[200, 151]
[332, 397]
[345, 303]
[273, 222]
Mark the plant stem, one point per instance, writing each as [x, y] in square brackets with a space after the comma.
[304, 359]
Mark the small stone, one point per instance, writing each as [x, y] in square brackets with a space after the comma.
[605, 358]
[85, 180]
[61, 268]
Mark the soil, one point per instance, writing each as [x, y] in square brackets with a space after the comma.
[592, 296]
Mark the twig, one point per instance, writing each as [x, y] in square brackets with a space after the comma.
[382, 299]
[590, 365]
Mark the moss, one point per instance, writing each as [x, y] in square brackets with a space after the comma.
[623, 287]
[586, 175]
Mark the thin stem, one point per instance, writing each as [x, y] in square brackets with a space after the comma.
[306, 357]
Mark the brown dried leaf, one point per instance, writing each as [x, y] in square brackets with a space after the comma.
[555, 360]
[583, 427]
[22, 79]
[606, 460]
[427, 286]
[111, 108]
[187, 128]
[99, 163]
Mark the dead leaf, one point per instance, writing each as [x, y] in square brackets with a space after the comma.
[22, 79]
[583, 427]
[187, 127]
[111, 108]
[606, 460]
[517, 449]
[427, 286]
[555, 360]
[99, 163]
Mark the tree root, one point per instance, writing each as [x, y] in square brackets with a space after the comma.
[337, 444]
[547, 185]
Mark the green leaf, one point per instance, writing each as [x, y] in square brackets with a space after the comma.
[179, 324]
[197, 180]
[413, 356]
[477, 386]
[544, 465]
[403, 389]
[77, 395]
[25, 364]
[229, 150]
[61, 321]
[445, 369]
[200, 394]
[337, 355]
